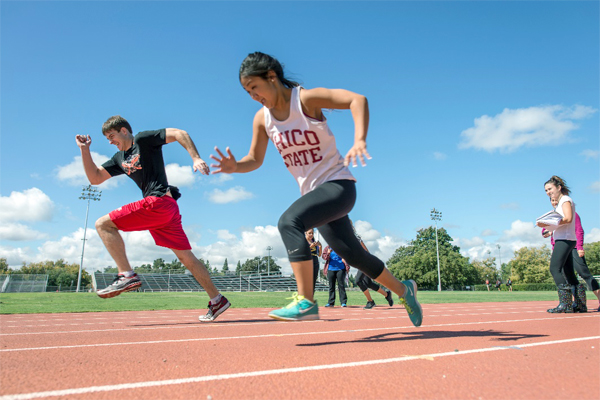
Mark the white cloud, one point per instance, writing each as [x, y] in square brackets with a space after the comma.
[178, 175]
[590, 154]
[592, 236]
[595, 187]
[488, 232]
[74, 174]
[524, 127]
[509, 206]
[31, 205]
[219, 179]
[382, 246]
[232, 195]
[439, 156]
[519, 235]
[19, 232]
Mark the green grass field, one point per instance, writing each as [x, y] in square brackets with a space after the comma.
[51, 302]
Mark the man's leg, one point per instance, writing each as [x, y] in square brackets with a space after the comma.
[109, 233]
[198, 270]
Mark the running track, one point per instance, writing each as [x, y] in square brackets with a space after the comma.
[462, 351]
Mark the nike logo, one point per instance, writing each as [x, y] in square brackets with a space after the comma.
[292, 251]
[304, 310]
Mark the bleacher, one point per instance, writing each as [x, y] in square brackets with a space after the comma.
[16, 283]
[225, 283]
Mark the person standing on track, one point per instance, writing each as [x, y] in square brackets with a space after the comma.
[292, 118]
[561, 262]
[579, 264]
[141, 158]
[336, 269]
[316, 249]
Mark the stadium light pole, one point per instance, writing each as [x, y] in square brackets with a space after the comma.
[437, 216]
[499, 258]
[88, 193]
[269, 248]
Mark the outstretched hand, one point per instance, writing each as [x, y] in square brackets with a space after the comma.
[200, 165]
[83, 141]
[358, 151]
[226, 164]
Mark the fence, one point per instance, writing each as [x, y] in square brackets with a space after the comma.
[14, 283]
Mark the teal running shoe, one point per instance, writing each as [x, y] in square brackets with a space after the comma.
[299, 309]
[413, 308]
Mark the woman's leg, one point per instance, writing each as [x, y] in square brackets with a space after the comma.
[560, 256]
[341, 278]
[331, 277]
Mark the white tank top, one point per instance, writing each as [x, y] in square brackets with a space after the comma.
[307, 147]
[565, 232]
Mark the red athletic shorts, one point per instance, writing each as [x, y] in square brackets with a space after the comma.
[159, 215]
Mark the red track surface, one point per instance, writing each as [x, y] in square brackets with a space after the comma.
[462, 351]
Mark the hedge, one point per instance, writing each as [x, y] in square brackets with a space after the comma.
[520, 287]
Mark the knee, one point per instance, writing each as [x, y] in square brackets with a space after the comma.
[104, 223]
[287, 223]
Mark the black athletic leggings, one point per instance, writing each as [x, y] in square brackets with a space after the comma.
[326, 208]
[584, 272]
[561, 263]
[365, 283]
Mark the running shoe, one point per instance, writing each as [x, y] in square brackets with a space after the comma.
[299, 309]
[389, 298]
[214, 310]
[328, 305]
[413, 308]
[370, 304]
[343, 304]
[120, 284]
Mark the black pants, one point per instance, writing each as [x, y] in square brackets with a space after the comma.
[340, 277]
[365, 283]
[327, 208]
[315, 271]
[561, 263]
[584, 272]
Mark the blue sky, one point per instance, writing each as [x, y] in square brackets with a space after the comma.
[474, 105]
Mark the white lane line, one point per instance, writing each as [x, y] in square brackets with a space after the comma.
[224, 377]
[349, 330]
[189, 325]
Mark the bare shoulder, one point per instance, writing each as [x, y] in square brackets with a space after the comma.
[259, 118]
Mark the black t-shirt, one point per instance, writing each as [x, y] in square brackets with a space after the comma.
[144, 163]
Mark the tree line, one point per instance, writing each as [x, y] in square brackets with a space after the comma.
[417, 260]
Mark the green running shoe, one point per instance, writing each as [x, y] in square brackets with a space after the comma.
[413, 308]
[299, 309]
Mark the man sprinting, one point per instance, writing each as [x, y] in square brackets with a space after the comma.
[141, 158]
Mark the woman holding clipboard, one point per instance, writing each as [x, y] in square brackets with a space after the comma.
[561, 262]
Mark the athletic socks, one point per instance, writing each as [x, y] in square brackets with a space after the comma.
[216, 300]
[128, 274]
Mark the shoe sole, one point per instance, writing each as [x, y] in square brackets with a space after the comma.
[310, 317]
[221, 311]
[115, 293]
[415, 290]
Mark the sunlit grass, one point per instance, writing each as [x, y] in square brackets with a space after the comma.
[51, 302]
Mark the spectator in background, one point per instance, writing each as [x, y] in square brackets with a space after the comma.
[487, 283]
[316, 249]
[579, 264]
[509, 284]
[498, 284]
[561, 261]
[336, 269]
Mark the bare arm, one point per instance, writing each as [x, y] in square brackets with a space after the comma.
[96, 175]
[184, 139]
[256, 155]
[568, 212]
[314, 100]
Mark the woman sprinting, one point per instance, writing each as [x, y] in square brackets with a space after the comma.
[292, 118]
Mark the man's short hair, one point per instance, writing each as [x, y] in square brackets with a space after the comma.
[115, 122]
